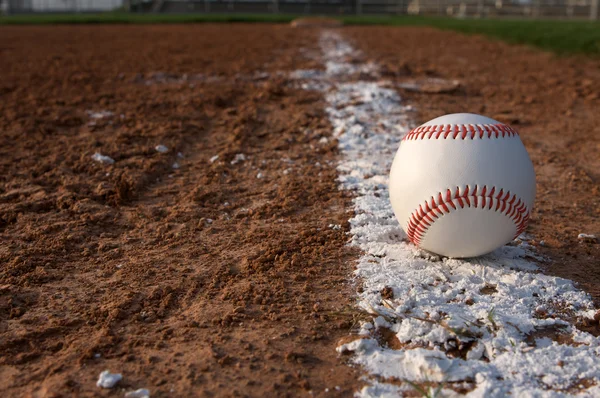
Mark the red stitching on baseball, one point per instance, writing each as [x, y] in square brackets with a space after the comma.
[462, 131]
[422, 218]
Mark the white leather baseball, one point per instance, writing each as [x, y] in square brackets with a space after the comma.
[462, 185]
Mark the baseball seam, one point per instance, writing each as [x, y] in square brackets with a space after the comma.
[480, 197]
[462, 131]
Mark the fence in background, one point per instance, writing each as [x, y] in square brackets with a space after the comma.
[56, 6]
[458, 8]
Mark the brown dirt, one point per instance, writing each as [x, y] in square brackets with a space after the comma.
[312, 22]
[205, 280]
[552, 101]
[119, 266]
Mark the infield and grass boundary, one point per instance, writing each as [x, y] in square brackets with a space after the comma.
[562, 37]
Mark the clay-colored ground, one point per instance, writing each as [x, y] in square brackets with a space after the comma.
[198, 281]
[205, 280]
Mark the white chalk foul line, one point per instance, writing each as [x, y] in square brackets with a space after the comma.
[480, 327]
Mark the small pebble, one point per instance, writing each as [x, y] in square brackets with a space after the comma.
[587, 238]
[161, 148]
[140, 393]
[108, 380]
[240, 157]
[98, 157]
[99, 115]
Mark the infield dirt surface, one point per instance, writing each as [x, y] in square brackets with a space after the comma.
[221, 276]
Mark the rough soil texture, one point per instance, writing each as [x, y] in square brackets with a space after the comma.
[224, 277]
[204, 280]
[552, 101]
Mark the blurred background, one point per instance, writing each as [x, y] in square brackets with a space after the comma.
[573, 9]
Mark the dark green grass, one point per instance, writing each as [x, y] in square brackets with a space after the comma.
[563, 37]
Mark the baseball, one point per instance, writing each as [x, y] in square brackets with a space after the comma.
[462, 185]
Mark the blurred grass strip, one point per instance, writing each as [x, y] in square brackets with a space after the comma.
[560, 36]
